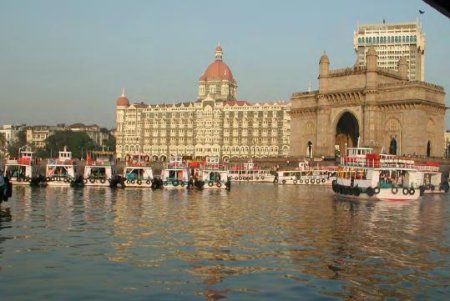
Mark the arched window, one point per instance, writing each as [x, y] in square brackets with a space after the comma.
[393, 147]
[309, 149]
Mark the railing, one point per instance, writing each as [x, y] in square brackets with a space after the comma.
[137, 164]
[97, 163]
[60, 162]
[375, 161]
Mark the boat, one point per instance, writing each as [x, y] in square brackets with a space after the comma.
[175, 174]
[62, 171]
[250, 172]
[138, 171]
[212, 174]
[363, 174]
[22, 170]
[432, 178]
[306, 175]
[99, 168]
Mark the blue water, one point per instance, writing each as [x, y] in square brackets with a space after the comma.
[255, 242]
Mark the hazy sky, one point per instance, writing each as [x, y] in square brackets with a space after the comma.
[67, 61]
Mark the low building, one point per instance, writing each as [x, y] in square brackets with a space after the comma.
[96, 133]
[10, 132]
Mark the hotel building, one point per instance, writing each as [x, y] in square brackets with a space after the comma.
[216, 124]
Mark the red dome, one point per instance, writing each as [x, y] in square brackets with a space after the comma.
[122, 101]
[217, 70]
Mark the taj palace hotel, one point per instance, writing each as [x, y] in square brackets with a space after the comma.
[216, 124]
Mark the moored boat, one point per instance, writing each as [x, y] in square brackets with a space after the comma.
[250, 172]
[138, 171]
[62, 171]
[99, 169]
[176, 174]
[22, 170]
[306, 175]
[213, 174]
[433, 181]
[363, 174]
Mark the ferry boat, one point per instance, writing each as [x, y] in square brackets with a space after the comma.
[22, 170]
[138, 171]
[432, 178]
[61, 171]
[250, 172]
[176, 174]
[305, 175]
[363, 174]
[213, 174]
[100, 170]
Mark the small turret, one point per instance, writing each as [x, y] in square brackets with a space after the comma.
[371, 59]
[372, 68]
[403, 68]
[324, 71]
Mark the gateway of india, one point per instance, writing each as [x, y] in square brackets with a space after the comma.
[372, 106]
[375, 103]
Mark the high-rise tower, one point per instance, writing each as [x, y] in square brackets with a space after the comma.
[391, 42]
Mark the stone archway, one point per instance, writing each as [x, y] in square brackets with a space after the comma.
[347, 132]
[393, 147]
[309, 149]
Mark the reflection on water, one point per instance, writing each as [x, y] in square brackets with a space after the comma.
[251, 243]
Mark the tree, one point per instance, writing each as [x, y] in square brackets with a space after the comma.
[2, 145]
[110, 144]
[2, 140]
[21, 141]
[77, 142]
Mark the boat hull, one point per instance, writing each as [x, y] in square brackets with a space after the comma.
[253, 179]
[384, 194]
[97, 182]
[322, 181]
[138, 183]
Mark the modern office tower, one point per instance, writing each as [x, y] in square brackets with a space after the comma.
[391, 42]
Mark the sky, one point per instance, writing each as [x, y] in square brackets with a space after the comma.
[64, 61]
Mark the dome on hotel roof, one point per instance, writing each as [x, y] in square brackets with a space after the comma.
[218, 70]
[122, 101]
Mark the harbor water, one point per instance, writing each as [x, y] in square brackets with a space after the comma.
[255, 242]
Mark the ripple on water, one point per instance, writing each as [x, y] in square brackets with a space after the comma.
[255, 242]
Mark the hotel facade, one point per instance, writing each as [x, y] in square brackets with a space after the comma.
[216, 124]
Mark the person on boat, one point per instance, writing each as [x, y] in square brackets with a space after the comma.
[5, 187]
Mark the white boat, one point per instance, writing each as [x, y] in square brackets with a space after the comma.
[432, 178]
[138, 171]
[22, 170]
[213, 174]
[176, 174]
[61, 171]
[305, 175]
[99, 169]
[363, 174]
[250, 172]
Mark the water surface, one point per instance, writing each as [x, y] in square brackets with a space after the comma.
[255, 242]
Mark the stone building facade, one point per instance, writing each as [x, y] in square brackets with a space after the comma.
[216, 124]
[374, 106]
